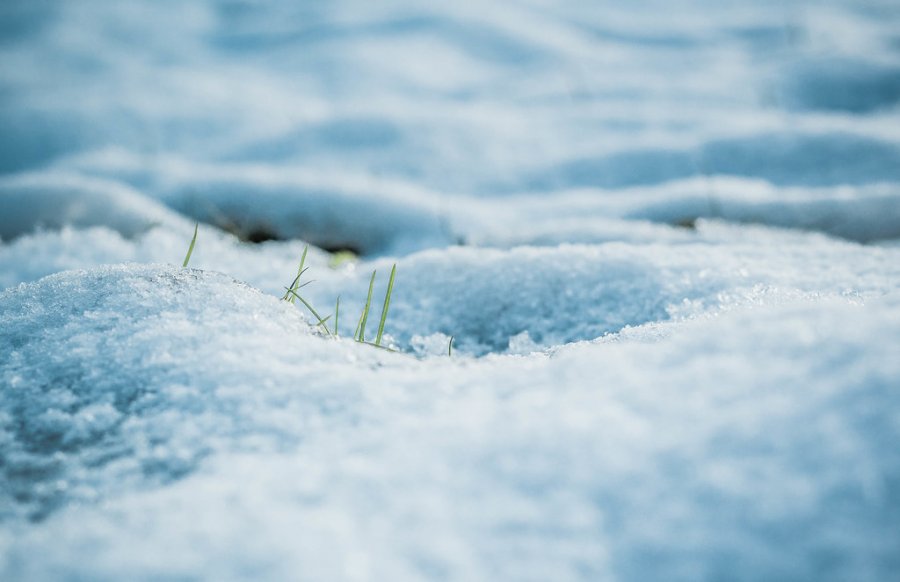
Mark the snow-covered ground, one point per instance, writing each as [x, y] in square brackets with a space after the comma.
[665, 238]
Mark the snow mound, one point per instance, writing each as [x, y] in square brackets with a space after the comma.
[363, 216]
[784, 158]
[34, 201]
[94, 363]
[259, 202]
[485, 298]
[863, 213]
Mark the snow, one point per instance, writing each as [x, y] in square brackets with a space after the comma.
[199, 410]
[35, 201]
[663, 240]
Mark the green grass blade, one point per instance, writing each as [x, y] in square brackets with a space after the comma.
[295, 285]
[365, 314]
[296, 281]
[321, 320]
[190, 251]
[386, 306]
[337, 310]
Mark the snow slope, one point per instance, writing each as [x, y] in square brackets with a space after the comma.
[663, 236]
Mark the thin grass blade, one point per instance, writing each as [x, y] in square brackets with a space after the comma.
[337, 310]
[190, 251]
[321, 320]
[386, 306]
[365, 314]
[300, 270]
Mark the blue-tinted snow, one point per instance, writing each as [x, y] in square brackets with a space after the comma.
[663, 236]
[337, 122]
[168, 423]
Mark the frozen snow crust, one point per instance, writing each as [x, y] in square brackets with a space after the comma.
[665, 238]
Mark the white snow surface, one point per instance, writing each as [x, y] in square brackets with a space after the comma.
[662, 236]
[173, 423]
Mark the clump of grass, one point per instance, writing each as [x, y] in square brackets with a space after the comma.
[360, 334]
[292, 294]
[190, 251]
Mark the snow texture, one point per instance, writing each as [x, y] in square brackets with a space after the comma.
[661, 237]
[181, 418]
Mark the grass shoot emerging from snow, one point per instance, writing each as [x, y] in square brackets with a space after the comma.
[289, 296]
[337, 311]
[292, 294]
[360, 333]
[190, 251]
[386, 306]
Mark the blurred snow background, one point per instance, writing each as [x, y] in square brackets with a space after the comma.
[375, 125]
[663, 234]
